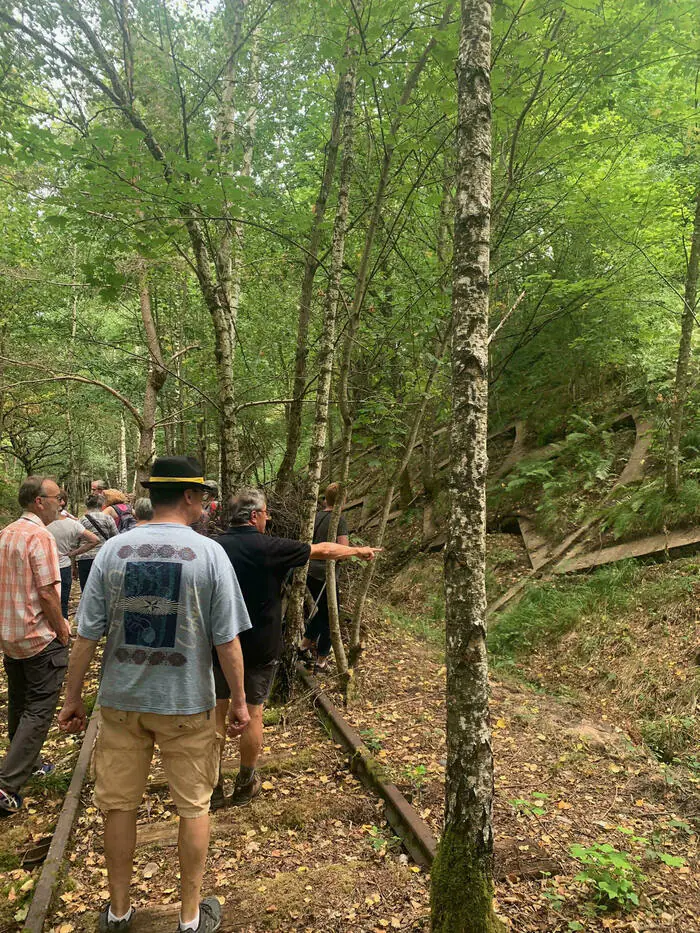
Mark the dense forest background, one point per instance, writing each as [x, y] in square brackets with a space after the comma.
[173, 188]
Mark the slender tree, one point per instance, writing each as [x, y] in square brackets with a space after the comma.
[462, 877]
[680, 394]
[346, 103]
[310, 267]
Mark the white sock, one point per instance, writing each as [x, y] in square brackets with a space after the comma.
[191, 924]
[113, 917]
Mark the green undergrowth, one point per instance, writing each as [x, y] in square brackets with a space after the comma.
[562, 489]
[429, 628]
[624, 635]
[647, 508]
[549, 610]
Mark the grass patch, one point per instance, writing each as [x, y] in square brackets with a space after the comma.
[549, 610]
[429, 627]
[54, 784]
[669, 737]
[272, 715]
[647, 508]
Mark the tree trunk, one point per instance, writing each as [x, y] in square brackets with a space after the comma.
[680, 394]
[462, 874]
[405, 489]
[155, 380]
[229, 267]
[428, 471]
[123, 469]
[346, 105]
[310, 266]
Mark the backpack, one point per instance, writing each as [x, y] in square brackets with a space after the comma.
[125, 517]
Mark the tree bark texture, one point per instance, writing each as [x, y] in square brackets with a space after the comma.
[462, 876]
[680, 393]
[323, 390]
[310, 267]
[123, 469]
[155, 380]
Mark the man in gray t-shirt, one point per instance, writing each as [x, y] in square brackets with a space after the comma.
[163, 596]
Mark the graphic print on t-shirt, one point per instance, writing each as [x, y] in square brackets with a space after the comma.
[151, 603]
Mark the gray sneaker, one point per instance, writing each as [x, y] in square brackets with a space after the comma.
[209, 916]
[115, 926]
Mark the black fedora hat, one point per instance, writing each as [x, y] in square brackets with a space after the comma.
[184, 472]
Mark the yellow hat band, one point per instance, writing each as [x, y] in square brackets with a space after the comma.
[176, 479]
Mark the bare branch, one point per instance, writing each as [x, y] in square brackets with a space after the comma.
[507, 315]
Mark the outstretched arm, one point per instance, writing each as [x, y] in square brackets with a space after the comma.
[328, 550]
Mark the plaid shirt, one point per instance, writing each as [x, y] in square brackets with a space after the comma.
[28, 561]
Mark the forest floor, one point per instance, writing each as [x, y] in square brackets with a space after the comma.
[313, 853]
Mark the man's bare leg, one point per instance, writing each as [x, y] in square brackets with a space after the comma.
[247, 782]
[192, 847]
[119, 845]
[221, 716]
[252, 738]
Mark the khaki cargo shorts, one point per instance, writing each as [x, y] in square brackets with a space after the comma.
[188, 747]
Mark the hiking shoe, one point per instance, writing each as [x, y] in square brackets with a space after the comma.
[218, 798]
[209, 916]
[115, 926]
[44, 769]
[244, 793]
[9, 803]
[304, 655]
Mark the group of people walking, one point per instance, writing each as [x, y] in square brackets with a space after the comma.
[193, 635]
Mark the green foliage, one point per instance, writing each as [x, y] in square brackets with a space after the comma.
[429, 628]
[549, 610]
[565, 486]
[613, 876]
[372, 739]
[669, 737]
[535, 807]
[647, 508]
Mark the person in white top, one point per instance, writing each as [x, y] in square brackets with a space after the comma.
[72, 540]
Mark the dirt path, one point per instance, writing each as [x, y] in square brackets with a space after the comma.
[311, 853]
[595, 786]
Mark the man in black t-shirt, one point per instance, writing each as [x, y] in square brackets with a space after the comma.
[261, 563]
[318, 633]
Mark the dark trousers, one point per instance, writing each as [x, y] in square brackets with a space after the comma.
[318, 628]
[84, 568]
[33, 687]
[66, 583]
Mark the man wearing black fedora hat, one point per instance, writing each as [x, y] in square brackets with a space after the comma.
[163, 596]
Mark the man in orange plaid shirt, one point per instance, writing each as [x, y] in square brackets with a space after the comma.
[33, 633]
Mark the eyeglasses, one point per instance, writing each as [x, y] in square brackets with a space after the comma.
[57, 498]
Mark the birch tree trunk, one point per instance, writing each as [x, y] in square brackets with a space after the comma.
[310, 267]
[155, 379]
[680, 394]
[462, 874]
[123, 469]
[323, 390]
